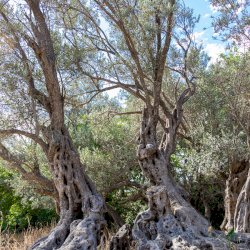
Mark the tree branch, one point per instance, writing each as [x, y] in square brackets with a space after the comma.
[36, 94]
[44, 185]
[34, 137]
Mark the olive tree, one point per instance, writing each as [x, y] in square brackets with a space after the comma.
[232, 23]
[150, 53]
[30, 70]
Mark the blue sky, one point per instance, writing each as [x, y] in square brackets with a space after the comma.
[211, 46]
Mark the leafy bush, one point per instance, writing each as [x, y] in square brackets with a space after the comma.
[17, 213]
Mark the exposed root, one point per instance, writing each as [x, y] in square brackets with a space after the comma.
[160, 228]
[81, 234]
[70, 234]
[54, 240]
[85, 234]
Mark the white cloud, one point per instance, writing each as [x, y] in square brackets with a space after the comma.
[198, 35]
[214, 50]
[215, 35]
[113, 92]
[206, 15]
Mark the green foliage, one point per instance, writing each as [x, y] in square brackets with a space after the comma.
[217, 116]
[21, 216]
[203, 182]
[126, 207]
[108, 151]
[18, 213]
[230, 234]
[107, 146]
[231, 20]
[6, 198]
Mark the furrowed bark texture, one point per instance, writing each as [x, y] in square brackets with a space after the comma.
[242, 210]
[122, 239]
[81, 207]
[234, 184]
[170, 222]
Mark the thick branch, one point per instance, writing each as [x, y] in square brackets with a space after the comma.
[44, 185]
[34, 137]
[45, 54]
[125, 183]
[111, 13]
[35, 93]
[15, 163]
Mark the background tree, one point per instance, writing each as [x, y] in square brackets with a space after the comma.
[219, 135]
[232, 22]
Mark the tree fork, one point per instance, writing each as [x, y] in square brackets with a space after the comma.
[170, 220]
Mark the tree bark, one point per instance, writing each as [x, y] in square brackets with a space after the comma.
[234, 184]
[170, 221]
[242, 209]
[81, 207]
[122, 239]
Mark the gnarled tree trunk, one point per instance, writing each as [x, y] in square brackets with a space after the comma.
[242, 209]
[234, 184]
[81, 207]
[170, 221]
